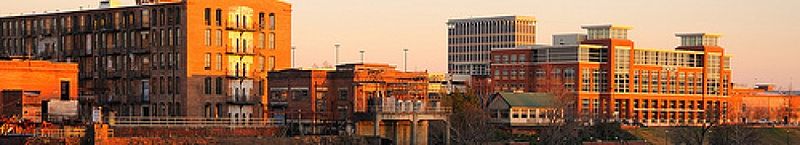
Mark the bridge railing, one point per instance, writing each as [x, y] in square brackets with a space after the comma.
[159, 121]
[410, 110]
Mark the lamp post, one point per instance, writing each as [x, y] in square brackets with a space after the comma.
[294, 51]
[336, 53]
[666, 136]
[405, 60]
[362, 55]
[300, 122]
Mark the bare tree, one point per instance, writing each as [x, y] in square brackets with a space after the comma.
[694, 134]
[470, 124]
[565, 126]
[734, 134]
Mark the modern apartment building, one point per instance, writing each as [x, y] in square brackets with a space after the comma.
[471, 39]
[614, 80]
[163, 57]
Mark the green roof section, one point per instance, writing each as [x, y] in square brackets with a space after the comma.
[528, 99]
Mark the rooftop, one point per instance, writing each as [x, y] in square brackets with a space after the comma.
[528, 99]
[601, 26]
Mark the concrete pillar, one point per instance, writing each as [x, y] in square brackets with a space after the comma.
[413, 139]
[376, 129]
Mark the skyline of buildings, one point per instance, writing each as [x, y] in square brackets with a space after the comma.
[217, 64]
[429, 47]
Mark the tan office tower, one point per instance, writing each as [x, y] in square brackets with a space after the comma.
[471, 39]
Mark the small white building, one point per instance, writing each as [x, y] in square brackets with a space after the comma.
[523, 109]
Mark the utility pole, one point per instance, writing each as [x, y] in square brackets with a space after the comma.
[336, 53]
[405, 60]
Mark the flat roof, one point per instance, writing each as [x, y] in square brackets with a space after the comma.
[697, 34]
[597, 26]
[479, 18]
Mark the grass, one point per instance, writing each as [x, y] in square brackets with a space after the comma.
[770, 136]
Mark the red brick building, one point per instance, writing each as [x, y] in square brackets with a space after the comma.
[615, 81]
[25, 84]
[332, 97]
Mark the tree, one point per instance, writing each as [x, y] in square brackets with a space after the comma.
[469, 122]
[692, 134]
[566, 126]
[734, 134]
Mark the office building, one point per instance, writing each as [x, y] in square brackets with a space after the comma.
[469, 40]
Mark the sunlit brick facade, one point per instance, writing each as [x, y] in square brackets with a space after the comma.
[24, 84]
[332, 98]
[164, 57]
[616, 81]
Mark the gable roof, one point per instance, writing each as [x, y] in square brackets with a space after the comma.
[528, 99]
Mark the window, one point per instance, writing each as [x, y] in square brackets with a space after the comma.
[208, 37]
[219, 38]
[208, 16]
[272, 40]
[207, 60]
[64, 90]
[219, 17]
[261, 63]
[261, 20]
[219, 86]
[343, 94]
[219, 61]
[207, 86]
[177, 85]
[271, 63]
[272, 21]
[261, 40]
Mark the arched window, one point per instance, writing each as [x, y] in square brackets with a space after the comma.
[272, 40]
[272, 21]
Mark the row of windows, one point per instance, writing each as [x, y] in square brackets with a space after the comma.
[263, 62]
[238, 43]
[220, 18]
[484, 27]
[113, 20]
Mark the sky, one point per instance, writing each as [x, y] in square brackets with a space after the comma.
[761, 35]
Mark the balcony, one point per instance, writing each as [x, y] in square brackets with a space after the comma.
[242, 99]
[240, 26]
[248, 50]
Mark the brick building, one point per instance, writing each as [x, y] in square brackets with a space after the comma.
[615, 81]
[163, 57]
[25, 84]
[332, 100]
[763, 104]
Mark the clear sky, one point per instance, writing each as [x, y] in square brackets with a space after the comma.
[761, 34]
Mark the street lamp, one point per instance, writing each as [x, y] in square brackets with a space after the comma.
[666, 136]
[336, 53]
[405, 60]
[294, 51]
[362, 55]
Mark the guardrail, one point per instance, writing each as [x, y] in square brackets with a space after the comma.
[61, 133]
[418, 110]
[135, 121]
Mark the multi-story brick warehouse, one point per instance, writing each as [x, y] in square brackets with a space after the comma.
[614, 80]
[471, 39]
[163, 58]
